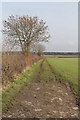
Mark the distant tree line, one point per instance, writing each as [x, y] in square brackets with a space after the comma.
[60, 53]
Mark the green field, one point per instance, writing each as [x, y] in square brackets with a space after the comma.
[66, 69]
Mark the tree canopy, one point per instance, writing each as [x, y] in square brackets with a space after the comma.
[24, 31]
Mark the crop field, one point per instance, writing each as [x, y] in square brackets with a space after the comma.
[40, 92]
[67, 69]
[40, 62]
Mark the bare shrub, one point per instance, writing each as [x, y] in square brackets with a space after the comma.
[13, 63]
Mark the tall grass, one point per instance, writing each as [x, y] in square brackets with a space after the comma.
[13, 63]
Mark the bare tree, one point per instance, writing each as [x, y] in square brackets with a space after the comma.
[23, 31]
[38, 49]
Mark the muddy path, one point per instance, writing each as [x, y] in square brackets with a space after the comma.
[38, 78]
[48, 99]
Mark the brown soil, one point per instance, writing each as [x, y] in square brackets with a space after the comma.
[44, 100]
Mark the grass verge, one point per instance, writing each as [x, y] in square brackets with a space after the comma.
[46, 74]
[16, 86]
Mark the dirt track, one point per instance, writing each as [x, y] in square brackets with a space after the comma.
[44, 100]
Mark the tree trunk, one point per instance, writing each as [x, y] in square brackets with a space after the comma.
[29, 59]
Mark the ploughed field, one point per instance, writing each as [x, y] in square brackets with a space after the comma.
[46, 90]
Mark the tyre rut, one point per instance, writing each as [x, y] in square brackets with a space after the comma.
[49, 100]
[60, 79]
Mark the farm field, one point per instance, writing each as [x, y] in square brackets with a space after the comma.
[40, 93]
[39, 61]
[66, 69]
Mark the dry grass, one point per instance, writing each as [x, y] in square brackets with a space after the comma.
[13, 64]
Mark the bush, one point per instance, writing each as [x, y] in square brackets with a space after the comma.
[13, 63]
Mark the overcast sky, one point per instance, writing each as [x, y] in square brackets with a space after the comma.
[61, 18]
